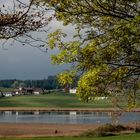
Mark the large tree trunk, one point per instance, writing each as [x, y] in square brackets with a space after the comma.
[66, 89]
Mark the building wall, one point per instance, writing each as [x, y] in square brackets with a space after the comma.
[72, 91]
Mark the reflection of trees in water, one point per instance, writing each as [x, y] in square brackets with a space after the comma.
[115, 117]
[116, 102]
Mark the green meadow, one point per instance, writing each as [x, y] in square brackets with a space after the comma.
[122, 137]
[53, 100]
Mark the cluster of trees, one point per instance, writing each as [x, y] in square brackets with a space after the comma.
[106, 51]
[49, 83]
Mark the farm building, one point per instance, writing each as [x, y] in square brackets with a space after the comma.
[72, 91]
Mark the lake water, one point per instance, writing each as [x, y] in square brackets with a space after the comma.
[68, 117]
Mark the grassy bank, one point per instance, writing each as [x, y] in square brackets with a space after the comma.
[122, 137]
[53, 100]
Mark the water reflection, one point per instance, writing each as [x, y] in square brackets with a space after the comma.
[67, 117]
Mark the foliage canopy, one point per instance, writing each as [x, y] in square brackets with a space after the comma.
[106, 54]
[18, 19]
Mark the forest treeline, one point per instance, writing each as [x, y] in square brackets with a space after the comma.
[49, 83]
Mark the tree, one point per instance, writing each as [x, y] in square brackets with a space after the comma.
[19, 19]
[22, 84]
[65, 79]
[106, 54]
[16, 84]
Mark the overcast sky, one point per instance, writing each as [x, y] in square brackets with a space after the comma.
[24, 62]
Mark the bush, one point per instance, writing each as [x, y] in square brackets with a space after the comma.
[120, 128]
[94, 134]
[111, 128]
[137, 130]
[105, 130]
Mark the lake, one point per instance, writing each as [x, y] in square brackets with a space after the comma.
[68, 117]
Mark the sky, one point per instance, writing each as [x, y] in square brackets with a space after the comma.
[25, 62]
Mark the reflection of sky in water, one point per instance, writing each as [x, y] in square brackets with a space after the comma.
[66, 117]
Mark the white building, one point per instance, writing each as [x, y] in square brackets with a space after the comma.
[72, 91]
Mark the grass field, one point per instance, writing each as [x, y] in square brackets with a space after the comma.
[122, 137]
[53, 100]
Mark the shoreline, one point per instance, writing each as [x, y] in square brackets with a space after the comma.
[43, 130]
[67, 109]
[29, 130]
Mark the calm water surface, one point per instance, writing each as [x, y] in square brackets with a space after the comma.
[68, 117]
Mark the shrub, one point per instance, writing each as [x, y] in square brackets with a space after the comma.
[137, 130]
[105, 130]
[120, 128]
